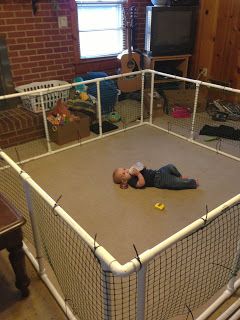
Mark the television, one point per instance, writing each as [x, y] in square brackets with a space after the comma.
[170, 30]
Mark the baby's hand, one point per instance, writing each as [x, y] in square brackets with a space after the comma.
[134, 172]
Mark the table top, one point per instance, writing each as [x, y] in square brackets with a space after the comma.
[10, 217]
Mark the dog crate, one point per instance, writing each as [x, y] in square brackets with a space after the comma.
[32, 101]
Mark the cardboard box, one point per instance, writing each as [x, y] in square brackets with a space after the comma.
[70, 131]
[185, 98]
[158, 103]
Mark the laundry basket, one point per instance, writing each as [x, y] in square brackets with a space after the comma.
[32, 102]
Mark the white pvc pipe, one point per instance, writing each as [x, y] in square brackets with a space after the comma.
[34, 225]
[99, 108]
[79, 143]
[196, 142]
[103, 254]
[67, 311]
[142, 97]
[194, 110]
[45, 122]
[207, 84]
[68, 86]
[151, 99]
[141, 289]
[151, 253]
[230, 310]
[236, 315]
[225, 295]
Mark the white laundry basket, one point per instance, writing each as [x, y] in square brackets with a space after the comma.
[32, 102]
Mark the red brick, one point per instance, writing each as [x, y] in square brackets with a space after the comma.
[4, 14]
[39, 69]
[9, 123]
[8, 28]
[17, 47]
[38, 58]
[35, 45]
[34, 33]
[44, 51]
[15, 21]
[26, 27]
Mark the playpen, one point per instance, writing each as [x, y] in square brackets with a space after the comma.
[171, 279]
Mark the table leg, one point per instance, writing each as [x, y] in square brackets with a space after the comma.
[17, 259]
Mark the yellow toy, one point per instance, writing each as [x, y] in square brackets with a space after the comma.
[159, 206]
[84, 96]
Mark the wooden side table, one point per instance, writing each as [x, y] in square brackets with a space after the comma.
[180, 63]
[11, 239]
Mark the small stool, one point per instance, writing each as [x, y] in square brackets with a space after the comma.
[11, 239]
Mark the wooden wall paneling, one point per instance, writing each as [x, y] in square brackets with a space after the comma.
[206, 35]
[234, 63]
[224, 44]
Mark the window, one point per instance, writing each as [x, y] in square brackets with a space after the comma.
[100, 27]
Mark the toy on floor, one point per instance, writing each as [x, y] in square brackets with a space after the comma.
[60, 114]
[160, 206]
[114, 116]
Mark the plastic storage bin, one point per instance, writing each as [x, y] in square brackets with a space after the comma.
[32, 102]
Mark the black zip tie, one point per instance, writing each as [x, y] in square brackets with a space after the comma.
[123, 124]
[94, 244]
[137, 257]
[56, 204]
[189, 312]
[218, 144]
[205, 220]
[18, 156]
[218, 264]
[66, 300]
[79, 137]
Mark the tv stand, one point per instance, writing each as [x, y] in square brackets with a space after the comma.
[176, 65]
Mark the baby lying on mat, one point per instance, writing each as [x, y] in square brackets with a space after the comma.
[167, 177]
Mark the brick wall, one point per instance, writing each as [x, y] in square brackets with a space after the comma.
[19, 126]
[38, 50]
[140, 23]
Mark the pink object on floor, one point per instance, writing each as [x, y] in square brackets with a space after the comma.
[181, 112]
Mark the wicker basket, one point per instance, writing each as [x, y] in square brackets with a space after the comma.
[32, 102]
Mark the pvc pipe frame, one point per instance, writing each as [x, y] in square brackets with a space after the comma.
[63, 305]
[70, 85]
[132, 266]
[230, 311]
[114, 266]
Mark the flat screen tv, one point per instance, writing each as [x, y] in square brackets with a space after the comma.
[170, 30]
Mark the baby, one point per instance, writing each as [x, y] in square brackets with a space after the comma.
[167, 177]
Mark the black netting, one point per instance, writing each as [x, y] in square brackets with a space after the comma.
[189, 272]
[11, 188]
[91, 292]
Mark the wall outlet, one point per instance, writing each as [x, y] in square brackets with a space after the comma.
[204, 72]
[62, 22]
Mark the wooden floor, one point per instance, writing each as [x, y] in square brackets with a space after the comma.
[38, 306]
[89, 169]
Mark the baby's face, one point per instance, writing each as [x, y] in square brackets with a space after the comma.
[124, 174]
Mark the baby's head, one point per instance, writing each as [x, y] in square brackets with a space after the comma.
[121, 175]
